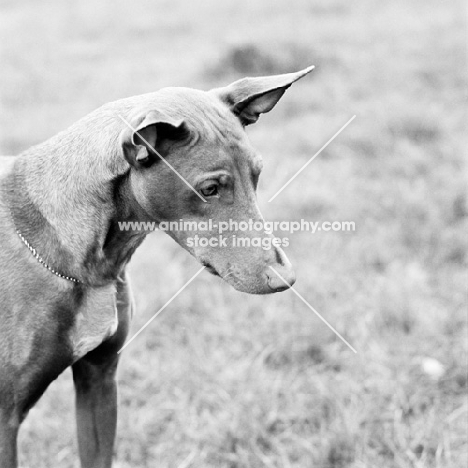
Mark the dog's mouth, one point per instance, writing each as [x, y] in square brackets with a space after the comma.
[210, 268]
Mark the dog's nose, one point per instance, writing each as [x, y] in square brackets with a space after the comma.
[280, 275]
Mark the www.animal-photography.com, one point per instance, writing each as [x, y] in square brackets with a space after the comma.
[233, 234]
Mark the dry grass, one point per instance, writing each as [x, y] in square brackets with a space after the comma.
[227, 380]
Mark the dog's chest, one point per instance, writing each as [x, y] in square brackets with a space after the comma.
[96, 320]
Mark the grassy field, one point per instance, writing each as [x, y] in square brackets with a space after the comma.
[226, 380]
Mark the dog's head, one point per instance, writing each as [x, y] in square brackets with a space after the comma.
[191, 162]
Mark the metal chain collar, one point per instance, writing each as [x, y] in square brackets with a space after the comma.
[42, 262]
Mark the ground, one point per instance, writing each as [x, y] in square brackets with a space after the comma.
[222, 379]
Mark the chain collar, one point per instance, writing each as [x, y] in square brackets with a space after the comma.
[41, 260]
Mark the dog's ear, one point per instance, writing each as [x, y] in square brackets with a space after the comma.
[143, 135]
[249, 97]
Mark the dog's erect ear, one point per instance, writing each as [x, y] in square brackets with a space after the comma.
[145, 133]
[250, 97]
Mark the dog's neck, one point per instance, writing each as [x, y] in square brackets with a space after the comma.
[68, 196]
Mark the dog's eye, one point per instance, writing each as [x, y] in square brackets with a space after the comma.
[210, 190]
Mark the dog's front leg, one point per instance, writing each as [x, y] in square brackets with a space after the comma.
[96, 411]
[8, 436]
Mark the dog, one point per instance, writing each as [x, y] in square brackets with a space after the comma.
[65, 299]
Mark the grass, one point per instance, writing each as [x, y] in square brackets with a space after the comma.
[226, 380]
